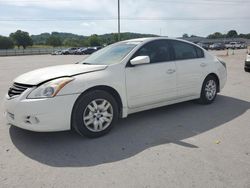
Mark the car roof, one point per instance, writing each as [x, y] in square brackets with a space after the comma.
[157, 38]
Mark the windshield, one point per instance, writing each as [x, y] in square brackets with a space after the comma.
[111, 54]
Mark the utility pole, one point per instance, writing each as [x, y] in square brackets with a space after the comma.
[119, 24]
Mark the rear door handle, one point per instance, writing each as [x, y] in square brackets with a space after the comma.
[203, 64]
[170, 71]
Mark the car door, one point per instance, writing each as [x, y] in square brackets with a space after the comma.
[154, 82]
[190, 66]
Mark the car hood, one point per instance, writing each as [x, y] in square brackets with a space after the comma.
[41, 75]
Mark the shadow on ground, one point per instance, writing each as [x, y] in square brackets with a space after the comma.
[132, 135]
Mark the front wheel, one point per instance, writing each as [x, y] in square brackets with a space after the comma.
[94, 114]
[209, 90]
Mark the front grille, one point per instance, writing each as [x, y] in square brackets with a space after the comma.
[17, 89]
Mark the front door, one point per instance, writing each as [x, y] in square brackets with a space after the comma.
[154, 82]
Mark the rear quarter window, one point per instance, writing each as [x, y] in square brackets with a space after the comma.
[200, 53]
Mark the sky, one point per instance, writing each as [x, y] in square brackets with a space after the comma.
[162, 17]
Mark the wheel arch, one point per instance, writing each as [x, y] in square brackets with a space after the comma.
[216, 77]
[109, 90]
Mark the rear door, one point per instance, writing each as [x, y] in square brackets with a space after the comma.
[190, 66]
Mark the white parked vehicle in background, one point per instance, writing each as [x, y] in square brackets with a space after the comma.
[247, 63]
[236, 45]
[119, 80]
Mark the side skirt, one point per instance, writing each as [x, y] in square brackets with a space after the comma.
[157, 105]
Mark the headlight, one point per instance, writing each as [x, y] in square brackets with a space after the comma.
[49, 89]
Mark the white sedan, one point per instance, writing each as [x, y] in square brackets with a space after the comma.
[121, 79]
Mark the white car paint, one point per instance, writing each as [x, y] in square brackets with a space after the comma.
[248, 58]
[150, 86]
[140, 87]
[48, 73]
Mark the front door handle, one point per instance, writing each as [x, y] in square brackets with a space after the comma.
[203, 64]
[170, 71]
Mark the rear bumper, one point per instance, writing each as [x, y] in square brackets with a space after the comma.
[41, 115]
[222, 74]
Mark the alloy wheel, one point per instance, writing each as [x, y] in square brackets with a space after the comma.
[98, 115]
[210, 89]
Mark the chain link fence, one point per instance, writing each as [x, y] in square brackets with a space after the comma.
[28, 51]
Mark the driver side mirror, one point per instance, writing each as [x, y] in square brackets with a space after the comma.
[140, 60]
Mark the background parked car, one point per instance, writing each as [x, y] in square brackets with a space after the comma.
[77, 51]
[217, 46]
[69, 51]
[57, 52]
[234, 45]
[243, 46]
[90, 50]
[80, 51]
[247, 63]
[203, 45]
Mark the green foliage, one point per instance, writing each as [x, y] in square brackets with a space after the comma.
[21, 38]
[71, 42]
[54, 41]
[232, 34]
[229, 34]
[6, 43]
[69, 39]
[83, 42]
[109, 38]
[40, 39]
[247, 36]
[216, 35]
[94, 40]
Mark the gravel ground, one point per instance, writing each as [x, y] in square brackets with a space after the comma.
[182, 145]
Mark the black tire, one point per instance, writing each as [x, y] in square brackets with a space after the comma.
[204, 98]
[77, 121]
[247, 70]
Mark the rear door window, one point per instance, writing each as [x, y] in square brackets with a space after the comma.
[183, 50]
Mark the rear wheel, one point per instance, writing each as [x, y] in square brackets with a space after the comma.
[94, 114]
[209, 90]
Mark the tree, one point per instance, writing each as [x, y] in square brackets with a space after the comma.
[72, 42]
[21, 38]
[247, 36]
[115, 37]
[232, 34]
[6, 43]
[54, 41]
[216, 35]
[185, 35]
[94, 40]
[84, 42]
[40, 39]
